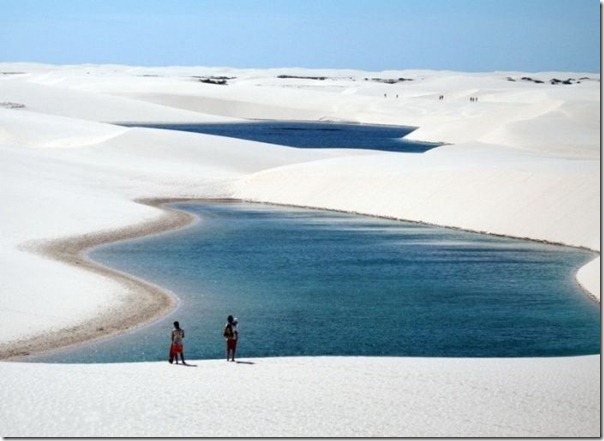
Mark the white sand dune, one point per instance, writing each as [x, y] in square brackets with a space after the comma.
[523, 161]
[306, 397]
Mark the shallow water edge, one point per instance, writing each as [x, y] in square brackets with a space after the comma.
[146, 301]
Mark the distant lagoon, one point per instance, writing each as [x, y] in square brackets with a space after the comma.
[311, 134]
[310, 282]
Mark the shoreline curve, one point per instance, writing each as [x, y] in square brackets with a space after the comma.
[146, 302]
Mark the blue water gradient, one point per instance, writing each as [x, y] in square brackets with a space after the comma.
[311, 134]
[308, 282]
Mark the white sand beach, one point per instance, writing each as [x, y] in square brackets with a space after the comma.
[523, 160]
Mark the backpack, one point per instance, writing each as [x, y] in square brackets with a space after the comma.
[228, 331]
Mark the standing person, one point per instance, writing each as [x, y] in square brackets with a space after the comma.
[176, 348]
[231, 334]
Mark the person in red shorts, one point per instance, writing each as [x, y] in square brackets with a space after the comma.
[176, 347]
[231, 334]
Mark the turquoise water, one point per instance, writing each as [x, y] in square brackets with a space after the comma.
[307, 282]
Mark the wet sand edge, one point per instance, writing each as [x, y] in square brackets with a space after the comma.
[142, 302]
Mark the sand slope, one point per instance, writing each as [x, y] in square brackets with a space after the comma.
[306, 397]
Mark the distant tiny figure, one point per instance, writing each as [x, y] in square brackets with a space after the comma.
[176, 346]
[385, 95]
[231, 334]
[441, 97]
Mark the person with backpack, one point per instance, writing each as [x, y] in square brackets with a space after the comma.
[176, 347]
[231, 335]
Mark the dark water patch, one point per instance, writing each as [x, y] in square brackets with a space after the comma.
[305, 282]
[310, 134]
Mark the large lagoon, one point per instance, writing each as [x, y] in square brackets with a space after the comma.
[309, 282]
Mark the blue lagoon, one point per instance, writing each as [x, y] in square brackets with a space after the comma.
[310, 282]
[313, 135]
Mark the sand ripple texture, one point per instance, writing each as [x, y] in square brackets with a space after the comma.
[296, 397]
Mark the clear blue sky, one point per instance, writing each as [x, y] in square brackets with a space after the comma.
[464, 35]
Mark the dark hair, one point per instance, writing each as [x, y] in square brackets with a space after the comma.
[230, 318]
[176, 325]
